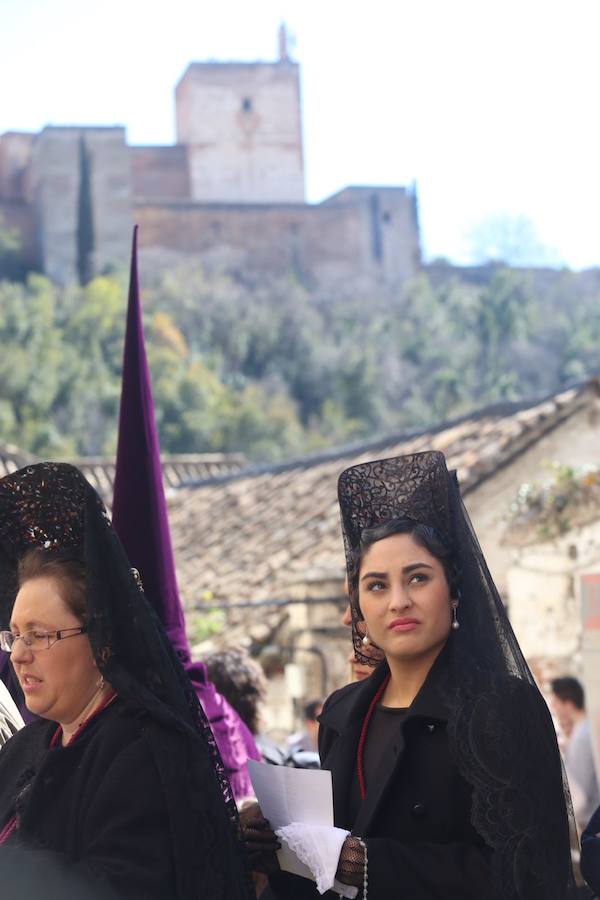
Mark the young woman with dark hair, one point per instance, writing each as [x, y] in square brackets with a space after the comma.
[447, 780]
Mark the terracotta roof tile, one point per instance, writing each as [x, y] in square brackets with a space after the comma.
[253, 535]
[100, 471]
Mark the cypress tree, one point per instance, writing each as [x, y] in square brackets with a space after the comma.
[85, 217]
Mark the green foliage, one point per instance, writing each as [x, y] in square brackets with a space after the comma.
[273, 370]
[203, 625]
[11, 265]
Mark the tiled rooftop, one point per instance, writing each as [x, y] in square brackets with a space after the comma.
[12, 459]
[100, 471]
[254, 535]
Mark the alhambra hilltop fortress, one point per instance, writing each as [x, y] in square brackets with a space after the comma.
[230, 192]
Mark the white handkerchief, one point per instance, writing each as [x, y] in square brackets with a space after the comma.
[319, 848]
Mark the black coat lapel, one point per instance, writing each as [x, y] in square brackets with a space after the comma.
[343, 721]
[378, 785]
[348, 720]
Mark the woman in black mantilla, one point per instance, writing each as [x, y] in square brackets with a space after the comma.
[446, 772]
[119, 784]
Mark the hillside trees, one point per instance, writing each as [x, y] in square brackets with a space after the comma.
[273, 370]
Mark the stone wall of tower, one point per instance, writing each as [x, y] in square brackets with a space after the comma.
[325, 244]
[392, 224]
[15, 156]
[160, 173]
[242, 125]
[55, 189]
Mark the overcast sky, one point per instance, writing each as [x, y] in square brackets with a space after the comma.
[492, 106]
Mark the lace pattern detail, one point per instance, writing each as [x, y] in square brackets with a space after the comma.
[319, 847]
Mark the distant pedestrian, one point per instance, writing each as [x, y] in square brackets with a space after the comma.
[307, 739]
[568, 704]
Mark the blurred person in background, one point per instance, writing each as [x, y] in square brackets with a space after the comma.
[242, 682]
[568, 704]
[307, 739]
[10, 717]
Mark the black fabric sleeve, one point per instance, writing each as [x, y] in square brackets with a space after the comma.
[427, 871]
[590, 852]
[126, 838]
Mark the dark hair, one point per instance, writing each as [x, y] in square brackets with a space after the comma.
[241, 681]
[424, 535]
[65, 568]
[568, 688]
[310, 710]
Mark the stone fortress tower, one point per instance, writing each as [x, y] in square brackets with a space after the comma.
[230, 192]
[241, 123]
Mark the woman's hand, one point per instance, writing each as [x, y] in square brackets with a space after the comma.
[351, 865]
[260, 841]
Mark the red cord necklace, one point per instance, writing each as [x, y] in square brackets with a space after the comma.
[363, 736]
[12, 823]
[92, 715]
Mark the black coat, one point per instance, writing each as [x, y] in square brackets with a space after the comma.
[590, 852]
[97, 805]
[416, 818]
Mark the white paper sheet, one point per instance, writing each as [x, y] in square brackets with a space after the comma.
[287, 795]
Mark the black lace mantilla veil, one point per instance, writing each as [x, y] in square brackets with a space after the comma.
[500, 731]
[51, 505]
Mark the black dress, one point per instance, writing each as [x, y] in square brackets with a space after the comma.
[97, 805]
[416, 817]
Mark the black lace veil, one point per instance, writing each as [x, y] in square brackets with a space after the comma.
[500, 730]
[51, 505]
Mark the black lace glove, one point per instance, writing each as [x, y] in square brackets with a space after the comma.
[260, 841]
[351, 867]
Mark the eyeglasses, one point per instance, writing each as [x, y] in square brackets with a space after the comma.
[37, 640]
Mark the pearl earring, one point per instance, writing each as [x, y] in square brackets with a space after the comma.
[366, 640]
[455, 623]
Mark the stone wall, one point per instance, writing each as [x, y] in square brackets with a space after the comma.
[574, 443]
[159, 173]
[322, 244]
[242, 124]
[55, 180]
[392, 225]
[544, 593]
[15, 155]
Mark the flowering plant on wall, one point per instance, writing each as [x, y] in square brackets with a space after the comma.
[570, 498]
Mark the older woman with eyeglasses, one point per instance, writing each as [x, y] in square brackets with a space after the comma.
[118, 782]
[50, 655]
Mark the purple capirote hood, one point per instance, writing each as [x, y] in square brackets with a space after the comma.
[139, 511]
[139, 516]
